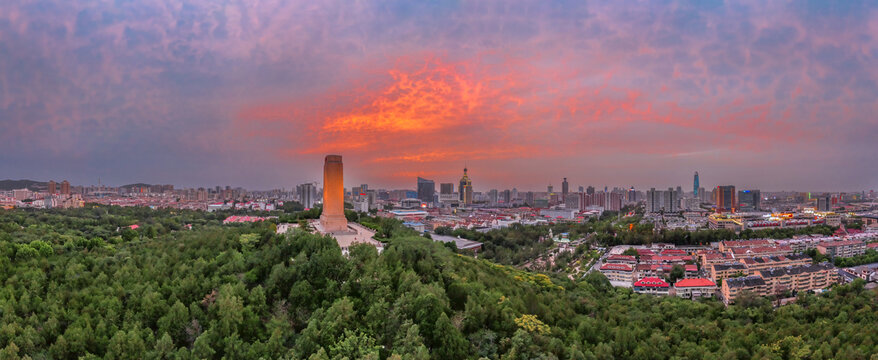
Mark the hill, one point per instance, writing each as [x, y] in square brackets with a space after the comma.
[7, 185]
[76, 287]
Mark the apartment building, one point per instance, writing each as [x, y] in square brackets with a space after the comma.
[842, 248]
[728, 270]
[622, 259]
[799, 278]
[695, 288]
[732, 288]
[768, 262]
[618, 272]
[726, 246]
[740, 253]
[652, 286]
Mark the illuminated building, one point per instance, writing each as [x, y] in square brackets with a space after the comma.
[465, 189]
[695, 185]
[724, 197]
[333, 219]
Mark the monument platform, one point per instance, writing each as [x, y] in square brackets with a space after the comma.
[355, 234]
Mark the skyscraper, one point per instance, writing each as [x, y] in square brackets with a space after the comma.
[465, 189]
[724, 197]
[589, 190]
[307, 194]
[564, 188]
[695, 185]
[332, 219]
[52, 187]
[426, 190]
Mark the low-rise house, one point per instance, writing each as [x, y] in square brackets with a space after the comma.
[695, 288]
[652, 286]
[726, 246]
[653, 270]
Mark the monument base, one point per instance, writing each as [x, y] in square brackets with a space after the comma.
[334, 223]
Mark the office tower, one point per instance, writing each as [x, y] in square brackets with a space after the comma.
[65, 187]
[696, 185]
[514, 194]
[750, 199]
[333, 219]
[590, 190]
[507, 196]
[632, 195]
[724, 196]
[465, 189]
[679, 191]
[564, 188]
[52, 186]
[446, 188]
[426, 190]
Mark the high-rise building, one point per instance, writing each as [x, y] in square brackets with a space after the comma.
[565, 188]
[750, 199]
[581, 189]
[695, 186]
[632, 195]
[589, 190]
[52, 186]
[824, 203]
[65, 187]
[550, 189]
[658, 201]
[724, 197]
[507, 196]
[307, 194]
[332, 219]
[465, 189]
[426, 190]
[492, 196]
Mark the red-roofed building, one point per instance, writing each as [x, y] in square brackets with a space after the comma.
[642, 252]
[653, 270]
[873, 245]
[665, 259]
[652, 286]
[691, 270]
[673, 252]
[842, 248]
[695, 288]
[618, 272]
[740, 253]
[134, 227]
[732, 244]
[621, 259]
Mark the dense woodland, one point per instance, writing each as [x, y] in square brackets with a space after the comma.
[79, 284]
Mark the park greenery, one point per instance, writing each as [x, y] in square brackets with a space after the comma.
[81, 284]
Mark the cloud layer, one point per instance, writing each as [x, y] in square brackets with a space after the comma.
[772, 95]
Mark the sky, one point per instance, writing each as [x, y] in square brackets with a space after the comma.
[774, 95]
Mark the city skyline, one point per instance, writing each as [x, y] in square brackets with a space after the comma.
[775, 96]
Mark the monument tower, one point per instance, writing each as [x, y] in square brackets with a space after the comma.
[333, 219]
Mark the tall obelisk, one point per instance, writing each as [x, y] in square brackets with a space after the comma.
[332, 219]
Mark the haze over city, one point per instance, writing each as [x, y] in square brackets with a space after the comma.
[759, 94]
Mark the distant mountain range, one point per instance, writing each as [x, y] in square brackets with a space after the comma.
[7, 185]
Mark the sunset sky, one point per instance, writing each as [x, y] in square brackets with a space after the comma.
[763, 94]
